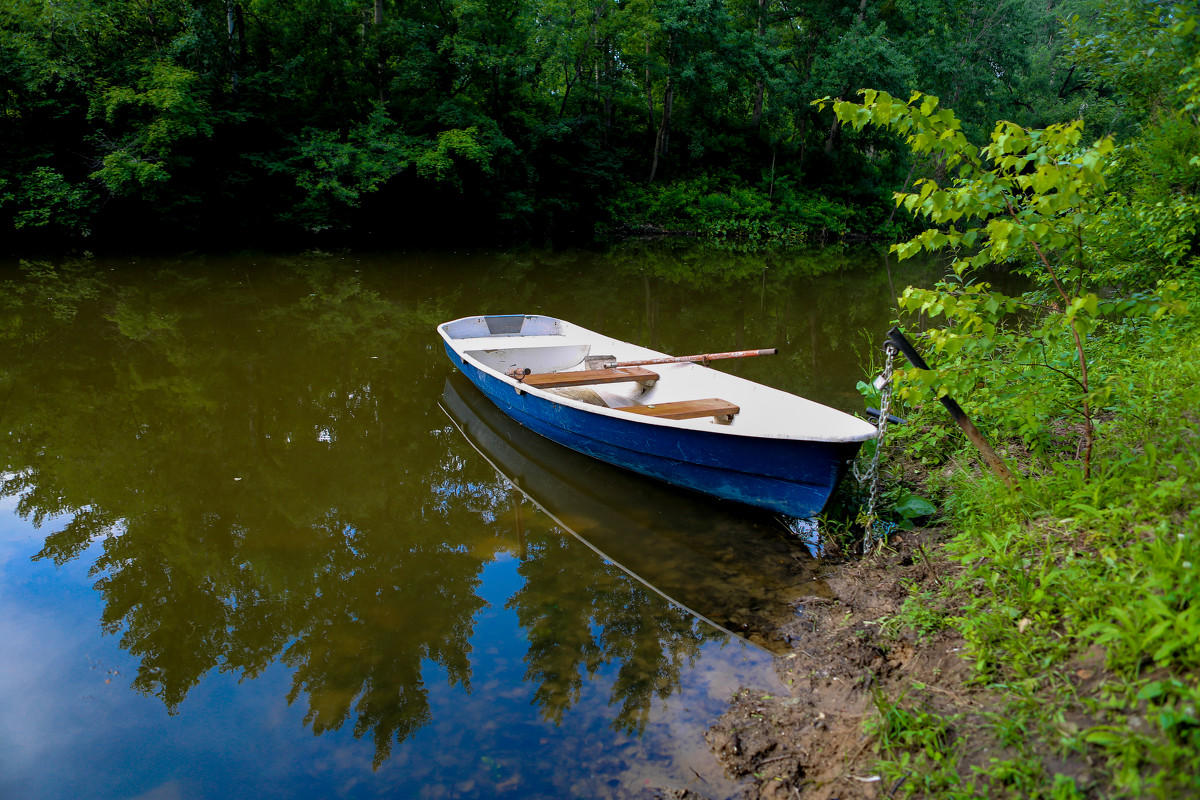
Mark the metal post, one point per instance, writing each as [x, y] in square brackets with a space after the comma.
[990, 456]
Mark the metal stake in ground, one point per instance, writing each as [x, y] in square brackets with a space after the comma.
[990, 456]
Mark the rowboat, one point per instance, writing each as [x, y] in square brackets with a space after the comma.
[722, 563]
[682, 422]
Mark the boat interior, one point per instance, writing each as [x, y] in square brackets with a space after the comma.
[538, 353]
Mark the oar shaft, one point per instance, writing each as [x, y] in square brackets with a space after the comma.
[702, 358]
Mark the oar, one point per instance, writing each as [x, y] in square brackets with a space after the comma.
[702, 358]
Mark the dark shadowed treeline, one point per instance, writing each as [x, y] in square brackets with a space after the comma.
[224, 123]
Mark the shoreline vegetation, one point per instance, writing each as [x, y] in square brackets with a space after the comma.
[1040, 640]
[1038, 643]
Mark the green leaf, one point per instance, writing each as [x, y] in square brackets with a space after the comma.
[911, 506]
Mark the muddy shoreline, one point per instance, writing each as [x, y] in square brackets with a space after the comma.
[812, 743]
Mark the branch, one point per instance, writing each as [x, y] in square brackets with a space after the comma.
[1062, 90]
[1053, 275]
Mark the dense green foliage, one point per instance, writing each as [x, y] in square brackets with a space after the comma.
[210, 123]
[1076, 593]
[1106, 233]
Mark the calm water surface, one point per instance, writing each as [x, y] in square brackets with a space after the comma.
[257, 539]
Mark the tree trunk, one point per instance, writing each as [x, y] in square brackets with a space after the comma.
[608, 113]
[243, 53]
[771, 190]
[649, 92]
[831, 139]
[379, 65]
[759, 87]
[569, 82]
[231, 28]
[664, 130]
[662, 140]
[803, 145]
[668, 102]
[836, 128]
[150, 15]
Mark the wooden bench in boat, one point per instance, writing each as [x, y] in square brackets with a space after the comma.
[584, 377]
[723, 410]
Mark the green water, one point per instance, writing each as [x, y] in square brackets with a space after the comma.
[258, 540]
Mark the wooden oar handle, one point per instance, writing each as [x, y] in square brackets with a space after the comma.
[702, 358]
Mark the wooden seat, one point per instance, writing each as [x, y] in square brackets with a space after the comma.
[687, 409]
[583, 377]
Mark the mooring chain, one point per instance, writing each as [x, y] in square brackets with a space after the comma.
[876, 532]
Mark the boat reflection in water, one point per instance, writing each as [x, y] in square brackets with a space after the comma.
[734, 567]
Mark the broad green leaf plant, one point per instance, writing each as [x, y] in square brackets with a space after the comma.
[1029, 202]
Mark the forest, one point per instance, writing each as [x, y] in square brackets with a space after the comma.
[180, 124]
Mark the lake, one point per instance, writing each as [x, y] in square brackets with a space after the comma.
[258, 539]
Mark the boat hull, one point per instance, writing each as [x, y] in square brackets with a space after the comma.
[789, 476]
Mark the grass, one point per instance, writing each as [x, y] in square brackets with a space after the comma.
[1079, 604]
[917, 746]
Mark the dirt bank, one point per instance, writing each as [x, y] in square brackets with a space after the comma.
[811, 744]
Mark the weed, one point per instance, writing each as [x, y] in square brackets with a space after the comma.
[919, 614]
[917, 746]
[1024, 778]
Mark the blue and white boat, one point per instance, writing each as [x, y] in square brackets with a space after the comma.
[682, 423]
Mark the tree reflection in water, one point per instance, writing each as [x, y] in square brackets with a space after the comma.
[259, 449]
[575, 628]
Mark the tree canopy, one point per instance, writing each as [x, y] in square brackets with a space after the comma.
[189, 122]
